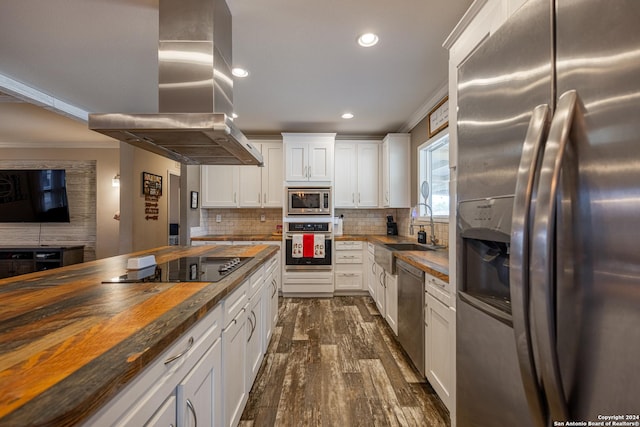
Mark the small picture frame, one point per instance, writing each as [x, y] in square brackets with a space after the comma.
[194, 200]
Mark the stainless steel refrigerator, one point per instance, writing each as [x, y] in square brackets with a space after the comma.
[548, 232]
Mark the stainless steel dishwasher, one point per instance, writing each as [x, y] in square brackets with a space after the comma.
[411, 312]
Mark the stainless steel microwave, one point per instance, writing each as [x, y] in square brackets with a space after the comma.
[308, 201]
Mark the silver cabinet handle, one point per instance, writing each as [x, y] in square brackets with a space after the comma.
[275, 287]
[358, 198]
[556, 151]
[234, 197]
[182, 353]
[253, 324]
[353, 198]
[193, 411]
[519, 259]
[259, 197]
[264, 199]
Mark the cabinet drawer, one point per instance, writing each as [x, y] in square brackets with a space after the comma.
[272, 264]
[348, 279]
[235, 302]
[255, 281]
[349, 257]
[348, 245]
[438, 289]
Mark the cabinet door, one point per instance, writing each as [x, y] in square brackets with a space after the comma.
[348, 280]
[346, 175]
[439, 370]
[198, 394]
[267, 308]
[219, 186]
[385, 174]
[320, 161]
[272, 175]
[254, 333]
[380, 290]
[368, 175]
[391, 289]
[277, 282]
[234, 361]
[296, 161]
[250, 185]
[165, 416]
[371, 275]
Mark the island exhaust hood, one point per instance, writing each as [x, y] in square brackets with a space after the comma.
[195, 92]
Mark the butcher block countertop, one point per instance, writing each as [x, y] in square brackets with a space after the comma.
[435, 262]
[69, 343]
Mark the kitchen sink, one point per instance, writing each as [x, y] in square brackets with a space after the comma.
[408, 247]
[383, 253]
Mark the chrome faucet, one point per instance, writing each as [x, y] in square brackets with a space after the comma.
[432, 237]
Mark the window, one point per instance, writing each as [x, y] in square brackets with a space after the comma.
[433, 172]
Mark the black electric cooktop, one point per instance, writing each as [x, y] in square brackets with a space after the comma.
[187, 269]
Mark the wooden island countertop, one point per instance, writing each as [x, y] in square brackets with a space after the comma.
[69, 343]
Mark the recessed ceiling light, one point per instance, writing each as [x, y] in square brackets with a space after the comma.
[347, 116]
[368, 40]
[234, 116]
[239, 72]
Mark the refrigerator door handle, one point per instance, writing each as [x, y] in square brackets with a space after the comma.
[543, 254]
[519, 260]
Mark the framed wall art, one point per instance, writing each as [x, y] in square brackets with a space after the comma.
[438, 117]
[151, 184]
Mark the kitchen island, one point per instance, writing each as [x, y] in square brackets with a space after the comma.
[70, 343]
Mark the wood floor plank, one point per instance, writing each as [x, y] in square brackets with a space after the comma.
[335, 362]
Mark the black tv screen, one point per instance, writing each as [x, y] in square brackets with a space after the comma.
[33, 195]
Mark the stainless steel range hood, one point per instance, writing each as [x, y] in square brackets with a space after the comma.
[195, 93]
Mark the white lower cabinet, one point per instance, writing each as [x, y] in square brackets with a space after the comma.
[348, 266]
[255, 330]
[371, 271]
[380, 289]
[166, 415]
[199, 394]
[204, 378]
[270, 299]
[439, 341]
[391, 300]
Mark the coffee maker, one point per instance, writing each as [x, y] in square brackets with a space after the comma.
[392, 227]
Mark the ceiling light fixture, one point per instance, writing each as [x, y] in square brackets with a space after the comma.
[347, 116]
[239, 72]
[234, 116]
[368, 40]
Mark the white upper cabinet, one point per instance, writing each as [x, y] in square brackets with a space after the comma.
[262, 187]
[309, 156]
[245, 186]
[272, 175]
[395, 170]
[219, 186]
[356, 174]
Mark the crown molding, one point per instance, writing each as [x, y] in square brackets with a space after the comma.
[424, 109]
[464, 22]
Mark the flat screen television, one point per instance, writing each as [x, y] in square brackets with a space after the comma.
[33, 195]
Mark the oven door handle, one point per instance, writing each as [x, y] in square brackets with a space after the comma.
[326, 236]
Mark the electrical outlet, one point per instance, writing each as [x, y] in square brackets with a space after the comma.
[218, 218]
[263, 218]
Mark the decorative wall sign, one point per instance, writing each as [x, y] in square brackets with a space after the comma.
[438, 117]
[151, 184]
[152, 190]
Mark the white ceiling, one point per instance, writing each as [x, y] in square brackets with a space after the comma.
[306, 69]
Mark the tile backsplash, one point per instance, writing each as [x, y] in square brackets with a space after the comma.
[238, 221]
[356, 221]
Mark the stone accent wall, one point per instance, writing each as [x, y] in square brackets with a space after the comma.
[81, 194]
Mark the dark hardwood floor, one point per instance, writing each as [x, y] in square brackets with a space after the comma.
[335, 362]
